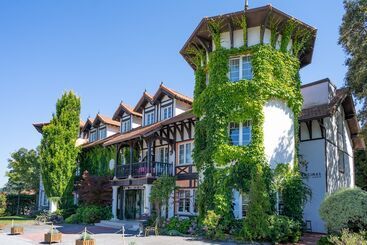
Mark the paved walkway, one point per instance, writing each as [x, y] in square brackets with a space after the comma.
[34, 234]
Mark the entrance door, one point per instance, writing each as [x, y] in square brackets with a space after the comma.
[130, 204]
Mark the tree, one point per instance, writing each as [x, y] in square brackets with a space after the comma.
[95, 190]
[2, 204]
[353, 38]
[23, 171]
[24, 175]
[361, 169]
[161, 192]
[58, 151]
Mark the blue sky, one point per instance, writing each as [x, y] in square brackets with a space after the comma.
[108, 51]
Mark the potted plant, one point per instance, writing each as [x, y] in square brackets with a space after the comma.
[53, 235]
[16, 230]
[85, 239]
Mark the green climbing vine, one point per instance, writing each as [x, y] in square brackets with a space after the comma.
[218, 102]
[96, 160]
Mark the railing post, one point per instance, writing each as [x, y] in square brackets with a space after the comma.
[131, 157]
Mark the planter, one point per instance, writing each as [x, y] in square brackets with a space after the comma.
[16, 230]
[54, 237]
[85, 242]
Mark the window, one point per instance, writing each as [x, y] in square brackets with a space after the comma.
[245, 72]
[185, 153]
[163, 154]
[125, 126]
[341, 162]
[93, 136]
[240, 133]
[187, 201]
[102, 132]
[234, 70]
[149, 118]
[340, 141]
[245, 204]
[166, 112]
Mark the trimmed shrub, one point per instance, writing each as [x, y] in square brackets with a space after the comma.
[180, 225]
[283, 229]
[345, 237]
[345, 209]
[90, 214]
[211, 222]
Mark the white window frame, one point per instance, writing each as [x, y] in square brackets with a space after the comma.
[125, 126]
[185, 162]
[92, 139]
[100, 130]
[192, 201]
[166, 112]
[241, 126]
[149, 117]
[165, 150]
[241, 75]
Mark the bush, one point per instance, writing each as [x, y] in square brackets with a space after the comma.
[345, 237]
[284, 229]
[345, 209]
[2, 204]
[211, 223]
[180, 225]
[90, 214]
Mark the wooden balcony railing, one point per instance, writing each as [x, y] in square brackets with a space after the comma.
[143, 169]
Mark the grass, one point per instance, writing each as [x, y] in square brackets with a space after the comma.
[17, 220]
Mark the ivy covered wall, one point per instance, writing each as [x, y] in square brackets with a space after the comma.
[96, 160]
[218, 102]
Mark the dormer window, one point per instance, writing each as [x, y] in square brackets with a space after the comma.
[93, 135]
[125, 126]
[102, 132]
[149, 118]
[166, 112]
[240, 68]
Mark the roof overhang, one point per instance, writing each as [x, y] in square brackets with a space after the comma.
[201, 36]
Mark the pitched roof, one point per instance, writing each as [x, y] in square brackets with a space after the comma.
[342, 97]
[201, 37]
[98, 142]
[162, 90]
[145, 98]
[89, 122]
[40, 125]
[105, 120]
[150, 129]
[124, 108]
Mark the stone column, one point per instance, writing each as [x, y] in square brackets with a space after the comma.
[147, 191]
[114, 202]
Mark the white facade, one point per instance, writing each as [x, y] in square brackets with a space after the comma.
[279, 141]
[326, 148]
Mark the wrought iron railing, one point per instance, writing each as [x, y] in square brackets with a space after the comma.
[143, 169]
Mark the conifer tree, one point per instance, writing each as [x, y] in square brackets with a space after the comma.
[58, 150]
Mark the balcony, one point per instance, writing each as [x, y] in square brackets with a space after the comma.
[143, 169]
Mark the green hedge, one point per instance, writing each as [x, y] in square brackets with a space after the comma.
[90, 214]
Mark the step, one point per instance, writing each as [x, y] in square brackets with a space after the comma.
[131, 225]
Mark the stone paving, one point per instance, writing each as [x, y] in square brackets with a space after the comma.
[34, 234]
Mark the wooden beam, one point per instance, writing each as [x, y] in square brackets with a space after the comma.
[263, 26]
[205, 44]
[230, 27]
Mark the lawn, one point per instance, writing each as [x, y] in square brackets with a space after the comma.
[17, 220]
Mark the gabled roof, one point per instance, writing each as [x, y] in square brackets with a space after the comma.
[145, 98]
[343, 97]
[39, 126]
[106, 120]
[201, 36]
[163, 90]
[88, 124]
[150, 129]
[99, 142]
[124, 108]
